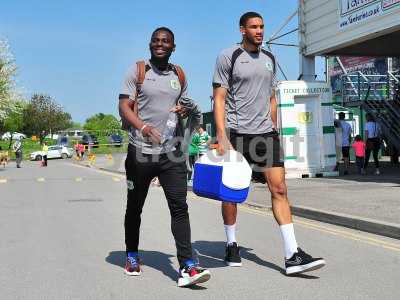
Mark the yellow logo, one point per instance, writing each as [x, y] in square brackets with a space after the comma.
[305, 117]
[174, 84]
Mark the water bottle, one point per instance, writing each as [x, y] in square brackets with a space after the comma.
[170, 127]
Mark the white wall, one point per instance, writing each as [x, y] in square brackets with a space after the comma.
[320, 22]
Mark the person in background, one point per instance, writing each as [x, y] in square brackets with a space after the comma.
[17, 148]
[81, 148]
[359, 150]
[373, 142]
[204, 140]
[45, 150]
[193, 154]
[338, 143]
[76, 148]
[346, 137]
[197, 148]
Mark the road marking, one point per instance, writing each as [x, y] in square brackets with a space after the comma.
[3, 180]
[78, 179]
[116, 179]
[321, 228]
[40, 179]
[98, 171]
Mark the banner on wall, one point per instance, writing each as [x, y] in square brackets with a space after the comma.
[353, 12]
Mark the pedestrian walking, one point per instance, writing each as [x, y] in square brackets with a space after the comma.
[81, 148]
[359, 150]
[17, 148]
[45, 151]
[150, 103]
[373, 142]
[244, 95]
[193, 154]
[346, 138]
[204, 140]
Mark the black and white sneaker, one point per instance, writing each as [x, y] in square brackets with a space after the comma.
[302, 262]
[232, 255]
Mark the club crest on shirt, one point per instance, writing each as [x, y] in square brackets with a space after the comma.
[269, 66]
[174, 84]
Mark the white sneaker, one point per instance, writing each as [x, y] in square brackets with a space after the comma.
[377, 172]
[191, 275]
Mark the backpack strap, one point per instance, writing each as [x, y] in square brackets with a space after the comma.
[181, 77]
[140, 74]
[141, 71]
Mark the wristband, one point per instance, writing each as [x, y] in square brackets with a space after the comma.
[141, 129]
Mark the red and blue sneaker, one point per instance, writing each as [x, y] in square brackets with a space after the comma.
[192, 274]
[132, 266]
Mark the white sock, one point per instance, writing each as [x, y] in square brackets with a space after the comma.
[230, 231]
[289, 239]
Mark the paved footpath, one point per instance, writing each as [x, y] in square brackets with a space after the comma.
[62, 238]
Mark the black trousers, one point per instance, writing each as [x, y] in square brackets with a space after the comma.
[359, 163]
[140, 170]
[373, 145]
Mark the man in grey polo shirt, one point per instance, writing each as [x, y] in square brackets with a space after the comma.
[153, 152]
[244, 83]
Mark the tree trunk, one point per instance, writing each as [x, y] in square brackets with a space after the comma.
[10, 144]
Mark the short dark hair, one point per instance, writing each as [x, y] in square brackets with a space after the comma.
[358, 138]
[342, 115]
[164, 29]
[248, 15]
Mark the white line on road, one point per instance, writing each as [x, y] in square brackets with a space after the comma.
[359, 237]
[3, 180]
[347, 233]
[40, 179]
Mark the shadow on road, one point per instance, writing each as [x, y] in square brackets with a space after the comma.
[211, 255]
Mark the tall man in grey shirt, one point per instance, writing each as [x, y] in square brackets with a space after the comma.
[244, 83]
[152, 152]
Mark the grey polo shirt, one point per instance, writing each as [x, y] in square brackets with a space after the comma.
[158, 94]
[250, 84]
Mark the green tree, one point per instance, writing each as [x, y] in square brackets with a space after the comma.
[102, 123]
[14, 120]
[8, 70]
[44, 115]
[76, 125]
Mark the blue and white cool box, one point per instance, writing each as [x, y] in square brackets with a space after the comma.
[222, 177]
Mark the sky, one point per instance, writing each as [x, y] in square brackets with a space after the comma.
[79, 51]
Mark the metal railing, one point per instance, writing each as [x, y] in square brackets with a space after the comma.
[378, 95]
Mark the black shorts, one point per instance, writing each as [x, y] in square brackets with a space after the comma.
[346, 151]
[261, 150]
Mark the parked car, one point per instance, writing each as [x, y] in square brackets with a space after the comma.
[15, 136]
[115, 139]
[90, 140]
[56, 151]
